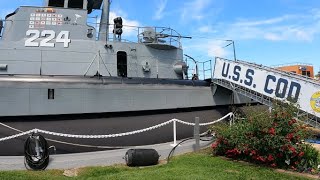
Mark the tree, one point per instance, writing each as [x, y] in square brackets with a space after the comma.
[318, 75]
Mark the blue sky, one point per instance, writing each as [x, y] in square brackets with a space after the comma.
[268, 32]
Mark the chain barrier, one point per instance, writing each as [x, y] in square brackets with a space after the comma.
[108, 135]
[71, 144]
[205, 124]
[16, 135]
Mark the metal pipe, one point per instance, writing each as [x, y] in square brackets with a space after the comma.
[211, 72]
[234, 51]
[45, 3]
[104, 22]
[85, 4]
[196, 63]
[196, 134]
[234, 48]
[174, 133]
[66, 3]
[204, 71]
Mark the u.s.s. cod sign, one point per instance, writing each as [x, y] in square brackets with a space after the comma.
[272, 83]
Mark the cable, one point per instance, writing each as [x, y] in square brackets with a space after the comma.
[36, 152]
[174, 148]
[182, 141]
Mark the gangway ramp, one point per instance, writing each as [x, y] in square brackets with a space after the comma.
[265, 84]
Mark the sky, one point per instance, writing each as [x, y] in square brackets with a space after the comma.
[268, 32]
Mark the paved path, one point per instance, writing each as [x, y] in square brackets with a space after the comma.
[100, 158]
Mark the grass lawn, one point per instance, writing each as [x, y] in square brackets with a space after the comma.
[189, 166]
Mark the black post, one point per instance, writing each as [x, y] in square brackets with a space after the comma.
[196, 132]
[234, 51]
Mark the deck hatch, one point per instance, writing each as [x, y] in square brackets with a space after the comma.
[122, 64]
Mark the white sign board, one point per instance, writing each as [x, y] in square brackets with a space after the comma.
[270, 83]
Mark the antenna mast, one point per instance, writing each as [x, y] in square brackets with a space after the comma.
[104, 22]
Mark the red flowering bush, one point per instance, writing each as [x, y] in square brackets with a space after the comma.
[274, 139]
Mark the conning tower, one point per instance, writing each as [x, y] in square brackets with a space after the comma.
[59, 40]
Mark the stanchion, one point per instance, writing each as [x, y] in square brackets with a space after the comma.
[196, 132]
[174, 133]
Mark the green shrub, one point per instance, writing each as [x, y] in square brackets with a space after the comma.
[274, 139]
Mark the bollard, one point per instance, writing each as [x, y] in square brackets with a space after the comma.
[196, 133]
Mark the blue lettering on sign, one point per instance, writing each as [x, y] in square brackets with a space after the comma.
[249, 76]
[282, 88]
[225, 71]
[236, 72]
[294, 98]
[266, 85]
[281, 92]
[236, 76]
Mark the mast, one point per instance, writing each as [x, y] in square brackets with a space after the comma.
[104, 22]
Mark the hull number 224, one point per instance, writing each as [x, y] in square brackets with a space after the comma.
[46, 38]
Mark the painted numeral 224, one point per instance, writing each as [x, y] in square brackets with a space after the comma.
[48, 35]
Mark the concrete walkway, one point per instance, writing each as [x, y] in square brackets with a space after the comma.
[100, 158]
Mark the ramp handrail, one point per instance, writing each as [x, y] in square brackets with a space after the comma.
[309, 119]
[262, 91]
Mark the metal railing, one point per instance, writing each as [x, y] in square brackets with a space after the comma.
[136, 34]
[307, 118]
[258, 97]
[146, 35]
[284, 73]
[292, 64]
[204, 69]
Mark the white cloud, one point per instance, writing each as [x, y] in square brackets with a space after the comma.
[264, 22]
[130, 27]
[304, 27]
[272, 37]
[160, 9]
[316, 13]
[206, 29]
[194, 10]
[210, 47]
[294, 27]
[216, 49]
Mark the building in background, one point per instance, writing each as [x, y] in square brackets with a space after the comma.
[298, 68]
